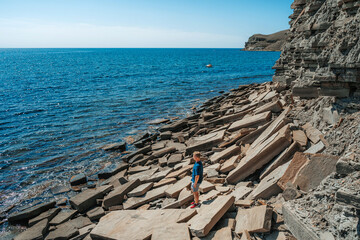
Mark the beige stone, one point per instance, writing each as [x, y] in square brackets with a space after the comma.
[300, 137]
[225, 154]
[252, 121]
[206, 186]
[256, 219]
[165, 181]
[174, 190]
[261, 155]
[137, 169]
[245, 235]
[271, 106]
[180, 171]
[312, 133]
[221, 234]
[152, 195]
[209, 195]
[174, 231]
[283, 157]
[201, 224]
[143, 176]
[116, 197]
[140, 224]
[205, 142]
[87, 199]
[37, 231]
[308, 170]
[241, 192]
[244, 203]
[140, 190]
[229, 164]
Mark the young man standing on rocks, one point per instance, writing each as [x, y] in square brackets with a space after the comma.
[197, 177]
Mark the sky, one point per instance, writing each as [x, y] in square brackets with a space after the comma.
[138, 23]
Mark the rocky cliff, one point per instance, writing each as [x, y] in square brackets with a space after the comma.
[322, 53]
[271, 42]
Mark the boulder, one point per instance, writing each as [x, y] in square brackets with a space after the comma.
[116, 197]
[120, 224]
[201, 224]
[261, 155]
[300, 137]
[256, 219]
[87, 199]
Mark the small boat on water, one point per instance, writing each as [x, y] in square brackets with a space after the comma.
[209, 66]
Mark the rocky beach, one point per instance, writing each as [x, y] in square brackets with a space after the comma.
[281, 159]
[276, 167]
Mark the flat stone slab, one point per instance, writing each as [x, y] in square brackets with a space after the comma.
[271, 106]
[261, 155]
[179, 172]
[117, 179]
[152, 195]
[241, 192]
[205, 142]
[35, 232]
[174, 159]
[116, 196]
[115, 146]
[138, 169]
[296, 225]
[63, 216]
[206, 186]
[225, 154]
[312, 133]
[268, 186]
[221, 234]
[112, 170]
[308, 170]
[143, 176]
[30, 212]
[316, 148]
[209, 195]
[176, 188]
[49, 214]
[140, 190]
[201, 224]
[252, 121]
[87, 199]
[78, 179]
[69, 229]
[229, 164]
[95, 214]
[165, 181]
[140, 224]
[300, 137]
[164, 151]
[175, 231]
[256, 219]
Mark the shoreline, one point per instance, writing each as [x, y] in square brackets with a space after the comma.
[244, 135]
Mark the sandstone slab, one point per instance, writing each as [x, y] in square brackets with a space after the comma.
[63, 216]
[160, 153]
[116, 197]
[256, 219]
[229, 164]
[261, 155]
[175, 231]
[49, 214]
[30, 212]
[36, 232]
[120, 224]
[225, 154]
[312, 133]
[174, 159]
[252, 121]
[206, 186]
[176, 188]
[206, 142]
[201, 224]
[95, 214]
[300, 137]
[241, 192]
[165, 181]
[152, 195]
[140, 190]
[87, 199]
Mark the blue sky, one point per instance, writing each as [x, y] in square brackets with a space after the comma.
[138, 23]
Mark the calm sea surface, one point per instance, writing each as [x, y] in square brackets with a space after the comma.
[58, 106]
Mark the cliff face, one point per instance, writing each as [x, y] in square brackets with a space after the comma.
[322, 53]
[271, 42]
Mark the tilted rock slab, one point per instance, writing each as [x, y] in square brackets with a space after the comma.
[116, 197]
[256, 219]
[201, 224]
[174, 190]
[205, 142]
[256, 120]
[139, 224]
[261, 155]
[152, 195]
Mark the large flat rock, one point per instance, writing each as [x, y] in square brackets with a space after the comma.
[201, 224]
[251, 121]
[116, 197]
[174, 190]
[205, 142]
[241, 192]
[63, 216]
[139, 224]
[30, 212]
[229, 164]
[152, 195]
[308, 170]
[87, 199]
[140, 190]
[173, 231]
[36, 232]
[49, 214]
[261, 155]
[256, 219]
[225, 154]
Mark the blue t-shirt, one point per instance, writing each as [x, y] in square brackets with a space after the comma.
[197, 170]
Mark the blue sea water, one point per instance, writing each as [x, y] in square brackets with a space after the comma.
[58, 106]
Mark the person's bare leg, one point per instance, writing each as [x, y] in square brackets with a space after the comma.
[196, 196]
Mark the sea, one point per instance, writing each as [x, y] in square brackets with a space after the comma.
[58, 107]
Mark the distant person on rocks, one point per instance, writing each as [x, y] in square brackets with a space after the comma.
[197, 177]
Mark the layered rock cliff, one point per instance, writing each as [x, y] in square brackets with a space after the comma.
[271, 42]
[322, 53]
